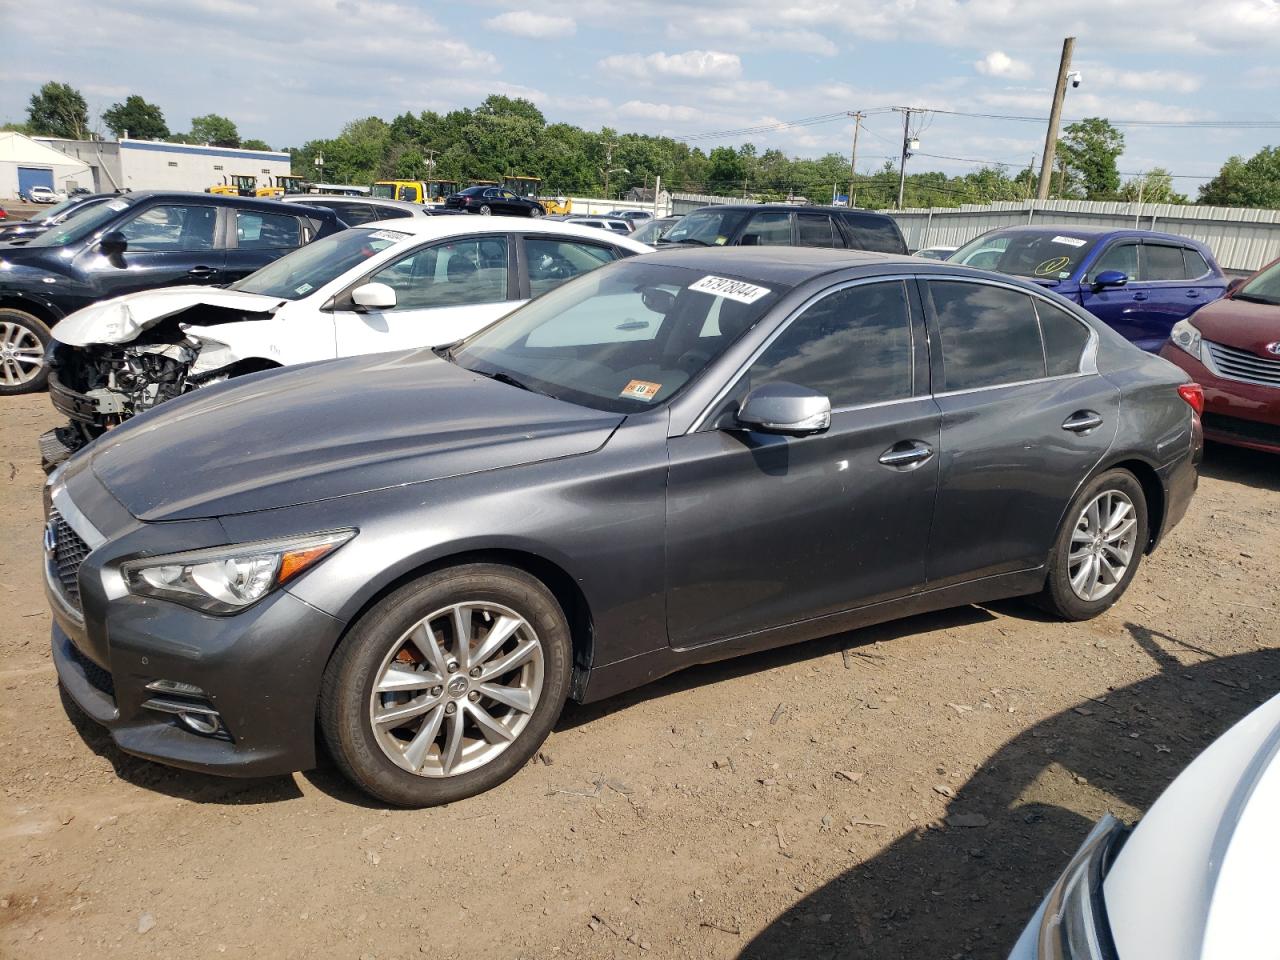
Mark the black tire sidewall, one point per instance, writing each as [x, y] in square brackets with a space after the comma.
[349, 678]
[43, 334]
[1058, 598]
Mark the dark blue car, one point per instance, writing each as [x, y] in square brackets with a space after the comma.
[1139, 282]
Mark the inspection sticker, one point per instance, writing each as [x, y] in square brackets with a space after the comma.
[738, 290]
[391, 235]
[1070, 241]
[640, 390]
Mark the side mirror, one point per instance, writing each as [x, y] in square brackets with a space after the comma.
[785, 408]
[1236, 284]
[1110, 278]
[113, 244]
[374, 296]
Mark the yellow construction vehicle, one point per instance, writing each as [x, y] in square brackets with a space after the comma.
[284, 186]
[415, 191]
[531, 189]
[236, 185]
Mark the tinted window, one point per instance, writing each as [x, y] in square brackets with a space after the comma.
[552, 261]
[854, 346]
[1162, 262]
[814, 230]
[172, 227]
[266, 231]
[1118, 256]
[450, 274]
[352, 214]
[1052, 254]
[1193, 263]
[1064, 339]
[878, 234]
[989, 335]
[768, 230]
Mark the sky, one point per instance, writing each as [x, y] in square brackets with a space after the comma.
[287, 71]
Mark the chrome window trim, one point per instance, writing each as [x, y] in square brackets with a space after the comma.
[732, 380]
[75, 518]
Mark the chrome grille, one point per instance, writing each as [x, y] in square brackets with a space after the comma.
[1236, 364]
[69, 551]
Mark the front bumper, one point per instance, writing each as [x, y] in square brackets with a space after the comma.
[258, 671]
[1235, 412]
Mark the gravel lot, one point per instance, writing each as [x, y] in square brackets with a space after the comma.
[789, 804]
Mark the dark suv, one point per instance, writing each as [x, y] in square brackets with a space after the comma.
[787, 225]
[137, 241]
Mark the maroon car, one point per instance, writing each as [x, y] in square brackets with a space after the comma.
[1232, 348]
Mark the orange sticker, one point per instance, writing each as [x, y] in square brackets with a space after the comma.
[640, 390]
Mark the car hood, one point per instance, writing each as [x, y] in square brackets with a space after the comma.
[121, 319]
[1239, 323]
[1195, 881]
[332, 429]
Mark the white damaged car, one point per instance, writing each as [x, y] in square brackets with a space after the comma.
[384, 286]
[1193, 880]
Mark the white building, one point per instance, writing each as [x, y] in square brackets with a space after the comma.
[26, 163]
[151, 165]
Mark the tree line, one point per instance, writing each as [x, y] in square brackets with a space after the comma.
[505, 136]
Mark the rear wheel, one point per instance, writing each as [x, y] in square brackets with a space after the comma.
[447, 687]
[1098, 549]
[24, 338]
[535, 212]
[485, 210]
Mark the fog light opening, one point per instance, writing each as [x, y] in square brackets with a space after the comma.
[206, 724]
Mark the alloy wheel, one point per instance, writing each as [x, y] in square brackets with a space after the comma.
[21, 354]
[456, 689]
[1102, 545]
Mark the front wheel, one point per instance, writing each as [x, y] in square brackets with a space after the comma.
[448, 686]
[485, 210]
[24, 338]
[1098, 549]
[535, 212]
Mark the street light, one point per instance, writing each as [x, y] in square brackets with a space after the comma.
[606, 178]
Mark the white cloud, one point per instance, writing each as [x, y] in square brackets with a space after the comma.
[1167, 81]
[526, 23]
[661, 112]
[692, 64]
[997, 63]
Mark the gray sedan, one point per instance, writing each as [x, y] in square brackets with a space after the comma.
[674, 459]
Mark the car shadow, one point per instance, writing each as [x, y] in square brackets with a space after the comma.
[966, 892]
[1252, 468]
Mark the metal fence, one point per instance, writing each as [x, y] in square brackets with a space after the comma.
[1241, 238]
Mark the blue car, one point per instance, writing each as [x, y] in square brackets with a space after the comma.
[1137, 281]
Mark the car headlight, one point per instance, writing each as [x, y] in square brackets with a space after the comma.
[226, 580]
[1075, 922]
[1185, 335]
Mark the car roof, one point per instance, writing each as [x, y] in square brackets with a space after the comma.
[789, 265]
[219, 200]
[432, 228]
[304, 198]
[1092, 231]
[795, 206]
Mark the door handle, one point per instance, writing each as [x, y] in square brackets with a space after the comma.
[1193, 293]
[1082, 421]
[906, 455]
[202, 272]
[1139, 295]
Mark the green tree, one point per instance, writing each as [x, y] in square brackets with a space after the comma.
[215, 130]
[1090, 148]
[1246, 183]
[58, 110]
[726, 171]
[255, 144]
[1155, 186]
[181, 138]
[137, 118]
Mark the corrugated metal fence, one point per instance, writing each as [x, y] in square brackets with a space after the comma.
[1241, 238]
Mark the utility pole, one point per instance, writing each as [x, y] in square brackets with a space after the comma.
[906, 152]
[1055, 115]
[853, 154]
[1031, 172]
[608, 162]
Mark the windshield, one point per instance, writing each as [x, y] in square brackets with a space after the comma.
[81, 223]
[622, 338]
[1264, 288]
[57, 208]
[708, 228]
[1049, 255]
[309, 268]
[650, 232]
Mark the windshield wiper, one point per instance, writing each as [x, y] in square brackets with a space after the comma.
[1265, 301]
[701, 243]
[503, 377]
[445, 350]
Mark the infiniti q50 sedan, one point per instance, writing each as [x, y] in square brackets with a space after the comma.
[670, 460]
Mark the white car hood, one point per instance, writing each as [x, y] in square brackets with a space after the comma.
[121, 319]
[1197, 878]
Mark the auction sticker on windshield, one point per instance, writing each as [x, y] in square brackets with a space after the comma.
[738, 290]
[1070, 241]
[391, 235]
[640, 390]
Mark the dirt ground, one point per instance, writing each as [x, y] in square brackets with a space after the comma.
[790, 804]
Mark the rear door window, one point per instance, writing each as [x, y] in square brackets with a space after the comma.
[1161, 261]
[815, 230]
[990, 335]
[266, 231]
[877, 234]
[768, 229]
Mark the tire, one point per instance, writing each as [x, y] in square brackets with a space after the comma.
[535, 212]
[1096, 585]
[485, 210]
[24, 338]
[443, 749]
